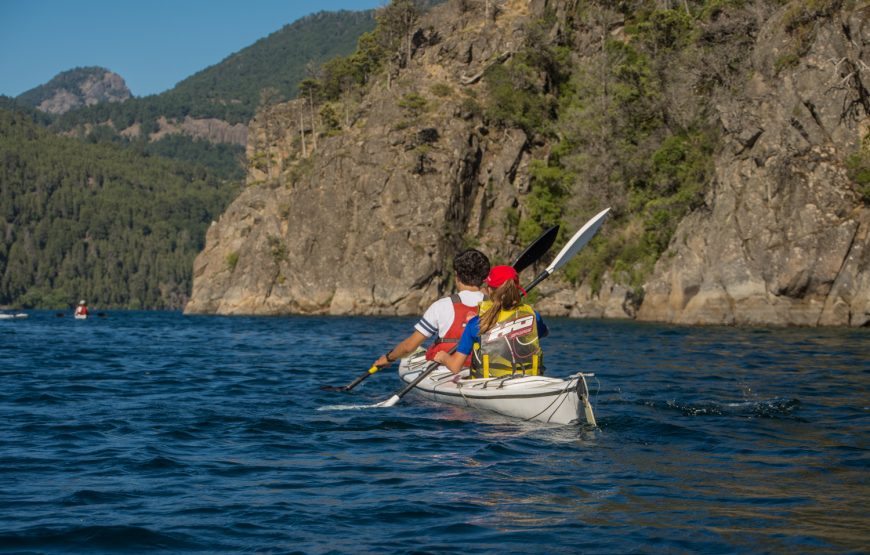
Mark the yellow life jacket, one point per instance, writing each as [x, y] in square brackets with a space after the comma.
[511, 346]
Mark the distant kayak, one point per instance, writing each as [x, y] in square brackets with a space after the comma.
[12, 316]
[81, 316]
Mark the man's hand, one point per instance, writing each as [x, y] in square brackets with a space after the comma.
[382, 362]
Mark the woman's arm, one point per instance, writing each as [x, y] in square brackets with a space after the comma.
[543, 330]
[452, 361]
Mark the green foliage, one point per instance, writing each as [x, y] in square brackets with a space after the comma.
[664, 30]
[511, 219]
[522, 91]
[396, 21]
[786, 60]
[232, 261]
[98, 221]
[514, 97]
[442, 90]
[329, 119]
[12, 105]
[618, 145]
[41, 297]
[225, 160]
[802, 13]
[470, 108]
[413, 104]
[545, 203]
[858, 166]
[713, 8]
[277, 249]
[800, 19]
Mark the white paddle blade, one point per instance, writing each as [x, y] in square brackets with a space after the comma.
[579, 241]
[389, 402]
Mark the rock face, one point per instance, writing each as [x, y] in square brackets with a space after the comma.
[75, 88]
[784, 238]
[209, 129]
[366, 221]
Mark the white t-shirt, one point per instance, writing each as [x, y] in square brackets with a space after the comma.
[439, 316]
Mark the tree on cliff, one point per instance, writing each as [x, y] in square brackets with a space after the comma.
[396, 23]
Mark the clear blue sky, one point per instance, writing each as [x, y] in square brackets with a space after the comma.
[152, 44]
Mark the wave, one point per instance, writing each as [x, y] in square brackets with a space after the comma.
[114, 538]
[770, 408]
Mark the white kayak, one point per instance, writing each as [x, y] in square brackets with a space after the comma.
[12, 316]
[545, 399]
[81, 316]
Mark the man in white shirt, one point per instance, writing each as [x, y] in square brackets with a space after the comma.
[446, 317]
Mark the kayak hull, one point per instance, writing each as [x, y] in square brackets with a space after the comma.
[538, 398]
[12, 316]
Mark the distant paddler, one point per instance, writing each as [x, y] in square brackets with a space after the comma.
[81, 310]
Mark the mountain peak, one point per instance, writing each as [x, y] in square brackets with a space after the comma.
[81, 86]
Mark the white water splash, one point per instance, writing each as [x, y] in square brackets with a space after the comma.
[347, 407]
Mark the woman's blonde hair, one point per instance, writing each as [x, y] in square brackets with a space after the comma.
[506, 297]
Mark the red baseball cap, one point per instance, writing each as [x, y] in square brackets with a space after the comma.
[500, 274]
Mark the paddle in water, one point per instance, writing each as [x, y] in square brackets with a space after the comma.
[571, 248]
[534, 252]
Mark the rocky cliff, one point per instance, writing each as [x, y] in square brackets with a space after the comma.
[784, 237]
[365, 218]
[76, 88]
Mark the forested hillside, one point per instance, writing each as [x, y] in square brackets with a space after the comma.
[203, 118]
[231, 90]
[107, 224]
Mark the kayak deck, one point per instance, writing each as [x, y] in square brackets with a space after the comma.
[540, 398]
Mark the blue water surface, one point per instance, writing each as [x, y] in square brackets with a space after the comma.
[154, 431]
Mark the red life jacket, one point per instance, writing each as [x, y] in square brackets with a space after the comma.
[462, 313]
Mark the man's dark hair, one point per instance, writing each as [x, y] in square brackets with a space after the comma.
[471, 266]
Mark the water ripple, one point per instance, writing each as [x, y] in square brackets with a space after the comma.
[154, 431]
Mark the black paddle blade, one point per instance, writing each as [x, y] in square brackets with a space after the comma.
[334, 387]
[352, 384]
[536, 250]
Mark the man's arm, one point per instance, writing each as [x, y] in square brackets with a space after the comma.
[403, 349]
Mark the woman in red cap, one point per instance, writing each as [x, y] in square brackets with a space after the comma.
[505, 336]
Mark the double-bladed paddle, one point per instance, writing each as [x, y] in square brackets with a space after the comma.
[537, 249]
[577, 242]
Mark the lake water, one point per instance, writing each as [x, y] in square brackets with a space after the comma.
[148, 431]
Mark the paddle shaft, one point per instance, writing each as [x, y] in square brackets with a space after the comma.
[352, 384]
[538, 279]
[357, 381]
